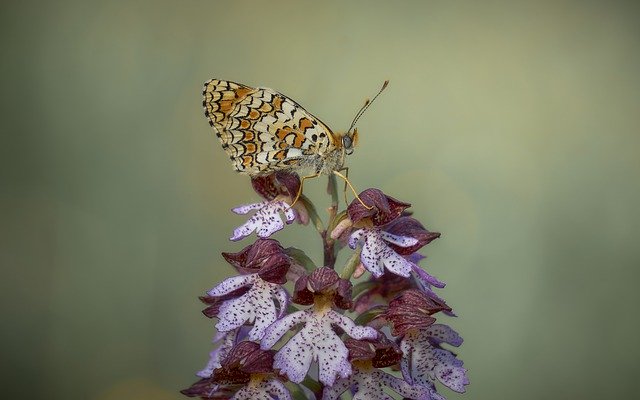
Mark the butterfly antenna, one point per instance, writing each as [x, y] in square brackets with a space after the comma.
[366, 105]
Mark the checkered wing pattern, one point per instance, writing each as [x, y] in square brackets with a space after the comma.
[262, 130]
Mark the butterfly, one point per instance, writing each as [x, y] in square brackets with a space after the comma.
[264, 131]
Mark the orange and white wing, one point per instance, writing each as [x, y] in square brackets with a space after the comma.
[262, 130]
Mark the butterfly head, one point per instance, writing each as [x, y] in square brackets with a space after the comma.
[350, 139]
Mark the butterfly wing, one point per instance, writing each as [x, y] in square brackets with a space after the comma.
[262, 130]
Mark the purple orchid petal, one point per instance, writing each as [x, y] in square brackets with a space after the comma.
[425, 277]
[266, 221]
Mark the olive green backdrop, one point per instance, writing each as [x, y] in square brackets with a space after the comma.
[513, 128]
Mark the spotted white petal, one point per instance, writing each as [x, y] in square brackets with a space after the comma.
[266, 390]
[280, 327]
[256, 306]
[402, 241]
[422, 363]
[370, 385]
[282, 296]
[225, 341]
[340, 386]
[266, 221]
[353, 330]
[276, 389]
[356, 238]
[245, 209]
[230, 284]
[376, 254]
[316, 341]
[443, 333]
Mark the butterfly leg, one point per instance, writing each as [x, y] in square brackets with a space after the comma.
[301, 185]
[344, 190]
[352, 189]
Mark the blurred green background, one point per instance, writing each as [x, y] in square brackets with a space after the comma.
[513, 128]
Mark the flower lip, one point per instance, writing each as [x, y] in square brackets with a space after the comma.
[384, 208]
[380, 351]
[265, 221]
[410, 227]
[412, 309]
[323, 281]
[276, 184]
[264, 256]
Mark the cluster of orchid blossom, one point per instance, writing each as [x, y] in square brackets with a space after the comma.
[339, 336]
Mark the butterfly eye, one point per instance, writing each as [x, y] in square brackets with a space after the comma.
[347, 143]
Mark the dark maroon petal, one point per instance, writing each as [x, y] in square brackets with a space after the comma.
[279, 183]
[322, 279]
[381, 351]
[265, 256]
[407, 226]
[412, 310]
[385, 208]
[239, 259]
[265, 186]
[342, 297]
[242, 360]
[247, 357]
[259, 362]
[230, 376]
[387, 356]
[275, 269]
[238, 353]
[301, 292]
[289, 183]
[359, 350]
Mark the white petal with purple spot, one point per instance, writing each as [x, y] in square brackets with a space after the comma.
[422, 363]
[315, 341]
[266, 221]
[266, 390]
[370, 385]
[230, 284]
[255, 306]
[227, 340]
[377, 255]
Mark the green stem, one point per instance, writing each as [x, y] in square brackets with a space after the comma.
[351, 264]
[328, 244]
